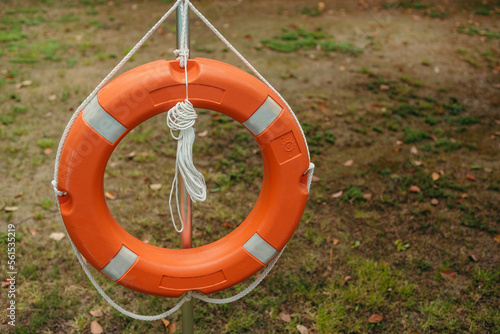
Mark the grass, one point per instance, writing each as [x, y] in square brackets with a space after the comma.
[475, 31]
[302, 39]
[376, 248]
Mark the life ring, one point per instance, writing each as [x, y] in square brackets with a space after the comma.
[142, 93]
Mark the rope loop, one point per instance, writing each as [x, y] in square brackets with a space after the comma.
[182, 56]
[182, 118]
[58, 192]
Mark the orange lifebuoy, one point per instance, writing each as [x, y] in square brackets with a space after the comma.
[142, 93]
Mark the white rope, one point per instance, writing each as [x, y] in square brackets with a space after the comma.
[310, 172]
[182, 53]
[182, 118]
[245, 292]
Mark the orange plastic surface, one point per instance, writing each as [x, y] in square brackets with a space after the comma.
[144, 92]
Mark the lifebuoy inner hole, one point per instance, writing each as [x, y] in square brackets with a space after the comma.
[139, 175]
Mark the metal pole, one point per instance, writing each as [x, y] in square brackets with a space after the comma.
[180, 27]
[186, 207]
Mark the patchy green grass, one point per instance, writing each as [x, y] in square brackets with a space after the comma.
[302, 39]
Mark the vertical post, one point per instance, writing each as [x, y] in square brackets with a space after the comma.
[186, 207]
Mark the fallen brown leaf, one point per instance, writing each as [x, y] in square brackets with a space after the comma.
[57, 236]
[448, 274]
[321, 6]
[172, 328]
[5, 283]
[349, 163]
[434, 201]
[32, 231]
[473, 258]
[470, 177]
[95, 328]
[155, 186]
[384, 87]
[24, 84]
[497, 238]
[203, 133]
[435, 176]
[165, 322]
[315, 178]
[346, 279]
[375, 318]
[48, 151]
[413, 150]
[367, 196]
[109, 195]
[335, 241]
[97, 313]
[337, 194]
[414, 189]
[302, 329]
[285, 317]
[10, 208]
[19, 195]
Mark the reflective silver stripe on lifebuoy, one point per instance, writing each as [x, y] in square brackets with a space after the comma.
[102, 122]
[119, 265]
[263, 117]
[260, 249]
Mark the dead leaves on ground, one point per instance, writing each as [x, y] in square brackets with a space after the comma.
[57, 236]
[448, 275]
[285, 316]
[169, 326]
[375, 318]
[414, 189]
[302, 329]
[95, 328]
[97, 313]
[349, 163]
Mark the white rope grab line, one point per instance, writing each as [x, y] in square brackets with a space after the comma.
[175, 115]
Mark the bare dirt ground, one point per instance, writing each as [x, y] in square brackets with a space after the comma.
[399, 101]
